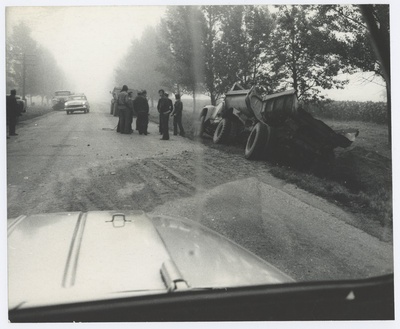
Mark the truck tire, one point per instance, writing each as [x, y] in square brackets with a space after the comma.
[234, 131]
[269, 151]
[221, 134]
[256, 142]
[199, 128]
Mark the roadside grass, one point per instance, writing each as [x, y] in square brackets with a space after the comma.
[359, 179]
[34, 111]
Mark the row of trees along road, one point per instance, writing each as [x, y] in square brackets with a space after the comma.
[205, 49]
[31, 68]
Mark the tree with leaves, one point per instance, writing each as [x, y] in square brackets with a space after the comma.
[304, 54]
[246, 33]
[49, 76]
[21, 54]
[181, 32]
[366, 28]
[212, 18]
[138, 69]
[31, 69]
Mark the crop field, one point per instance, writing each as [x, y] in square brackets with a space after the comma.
[374, 112]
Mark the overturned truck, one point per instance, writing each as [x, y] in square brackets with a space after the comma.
[275, 125]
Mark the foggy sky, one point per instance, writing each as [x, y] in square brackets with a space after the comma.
[89, 42]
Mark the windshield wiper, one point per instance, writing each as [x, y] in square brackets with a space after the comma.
[172, 277]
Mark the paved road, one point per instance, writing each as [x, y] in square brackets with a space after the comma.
[78, 162]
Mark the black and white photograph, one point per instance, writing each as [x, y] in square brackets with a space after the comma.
[200, 163]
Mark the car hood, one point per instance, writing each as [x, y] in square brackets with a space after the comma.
[70, 257]
[80, 102]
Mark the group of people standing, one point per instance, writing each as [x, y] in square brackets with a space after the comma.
[128, 107]
[165, 109]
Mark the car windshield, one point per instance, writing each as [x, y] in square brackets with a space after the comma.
[74, 98]
[220, 146]
[62, 93]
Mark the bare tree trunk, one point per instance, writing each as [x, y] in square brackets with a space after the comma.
[194, 102]
[213, 100]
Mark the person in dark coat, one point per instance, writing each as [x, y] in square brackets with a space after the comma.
[12, 112]
[170, 104]
[165, 109]
[131, 110]
[141, 107]
[161, 93]
[177, 115]
[123, 107]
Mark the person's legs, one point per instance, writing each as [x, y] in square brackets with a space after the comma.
[12, 123]
[145, 123]
[122, 121]
[160, 120]
[141, 122]
[175, 125]
[165, 118]
[179, 121]
[130, 120]
[138, 124]
[128, 127]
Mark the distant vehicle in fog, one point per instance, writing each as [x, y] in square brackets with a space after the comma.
[77, 102]
[59, 99]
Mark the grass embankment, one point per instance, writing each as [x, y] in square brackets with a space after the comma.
[359, 179]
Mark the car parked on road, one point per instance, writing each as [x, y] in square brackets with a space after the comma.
[77, 102]
[21, 103]
[59, 99]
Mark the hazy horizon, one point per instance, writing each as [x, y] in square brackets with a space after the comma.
[88, 43]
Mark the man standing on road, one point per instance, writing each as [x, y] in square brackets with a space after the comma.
[161, 94]
[12, 112]
[141, 107]
[177, 115]
[165, 108]
[131, 110]
[123, 107]
[170, 104]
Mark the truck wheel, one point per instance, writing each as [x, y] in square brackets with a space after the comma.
[269, 151]
[201, 128]
[256, 142]
[221, 134]
[234, 131]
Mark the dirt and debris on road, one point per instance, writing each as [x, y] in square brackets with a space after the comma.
[238, 198]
